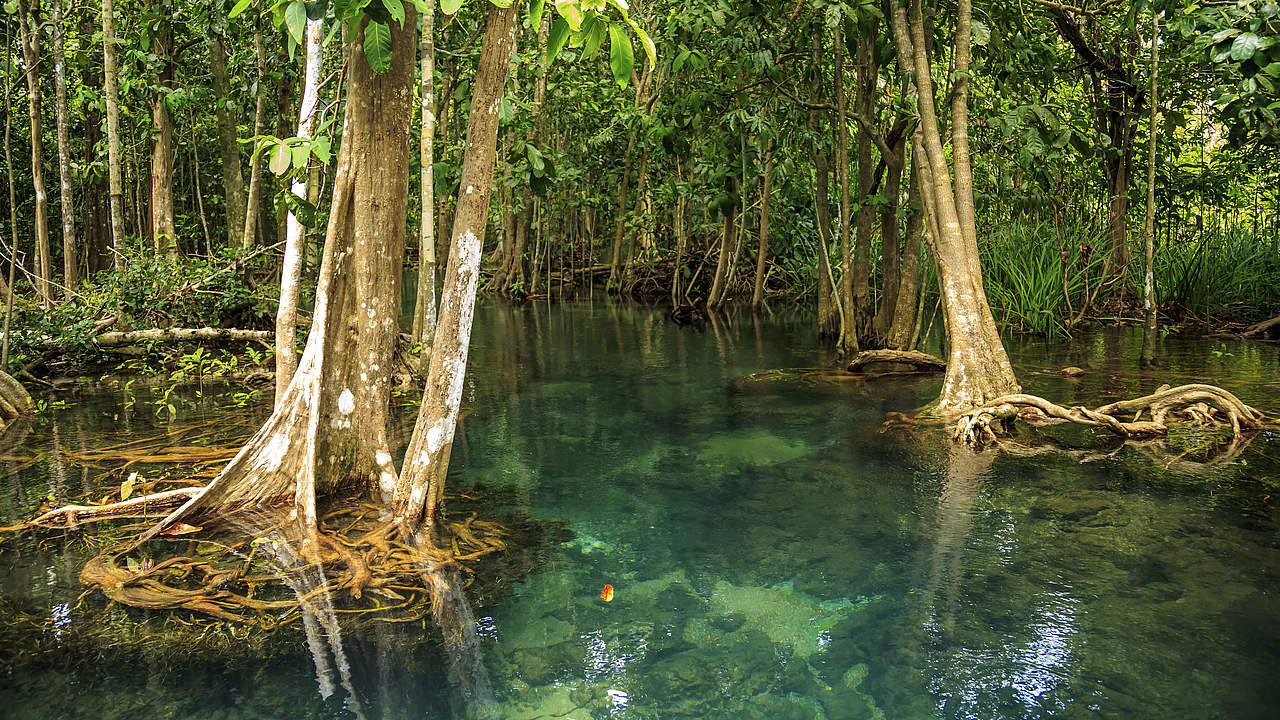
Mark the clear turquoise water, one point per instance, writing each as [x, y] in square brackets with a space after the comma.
[774, 554]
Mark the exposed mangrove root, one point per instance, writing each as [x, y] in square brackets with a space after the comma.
[268, 569]
[1204, 405]
[142, 506]
[898, 361]
[15, 403]
[1265, 330]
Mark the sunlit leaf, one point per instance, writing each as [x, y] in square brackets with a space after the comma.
[622, 58]
[571, 11]
[449, 7]
[395, 9]
[377, 46]
[558, 36]
[295, 20]
[535, 12]
[180, 528]
[239, 8]
[280, 160]
[126, 487]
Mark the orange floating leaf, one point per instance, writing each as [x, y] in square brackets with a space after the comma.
[180, 529]
[607, 593]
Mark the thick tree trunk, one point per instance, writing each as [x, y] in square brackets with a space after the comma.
[420, 492]
[255, 177]
[762, 255]
[95, 228]
[291, 265]
[331, 425]
[1148, 357]
[978, 369]
[70, 269]
[227, 110]
[115, 175]
[163, 231]
[28, 24]
[828, 314]
[424, 307]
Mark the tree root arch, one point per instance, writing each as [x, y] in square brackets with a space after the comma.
[1197, 404]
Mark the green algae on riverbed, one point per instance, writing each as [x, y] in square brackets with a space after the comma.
[774, 554]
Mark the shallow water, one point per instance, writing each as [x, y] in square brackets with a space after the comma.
[774, 554]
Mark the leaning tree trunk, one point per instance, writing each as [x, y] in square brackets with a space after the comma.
[978, 369]
[163, 230]
[889, 257]
[226, 110]
[828, 314]
[867, 75]
[330, 427]
[291, 265]
[70, 271]
[115, 177]
[424, 307]
[420, 493]
[902, 326]
[1149, 235]
[28, 25]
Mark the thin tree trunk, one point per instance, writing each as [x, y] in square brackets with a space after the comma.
[889, 257]
[848, 344]
[70, 270]
[95, 228]
[762, 255]
[728, 240]
[1149, 235]
[682, 235]
[163, 230]
[828, 316]
[13, 201]
[424, 309]
[420, 492]
[115, 178]
[906, 308]
[227, 111]
[867, 75]
[291, 266]
[255, 177]
[620, 209]
[28, 25]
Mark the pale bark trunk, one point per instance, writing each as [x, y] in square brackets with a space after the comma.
[889, 235]
[728, 240]
[762, 256]
[255, 177]
[114, 174]
[682, 238]
[12, 250]
[227, 110]
[978, 369]
[28, 20]
[620, 211]
[420, 492]
[94, 225]
[1149, 235]
[828, 316]
[424, 310]
[332, 425]
[291, 265]
[70, 270]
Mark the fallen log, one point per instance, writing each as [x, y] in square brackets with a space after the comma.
[913, 359]
[125, 338]
[1264, 330]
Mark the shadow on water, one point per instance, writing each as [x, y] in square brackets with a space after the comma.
[775, 553]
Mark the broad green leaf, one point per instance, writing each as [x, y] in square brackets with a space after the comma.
[301, 153]
[320, 148]
[449, 7]
[1244, 46]
[622, 58]
[377, 46]
[502, 3]
[535, 12]
[646, 42]
[295, 20]
[239, 8]
[395, 9]
[595, 38]
[981, 33]
[679, 61]
[558, 36]
[280, 159]
[571, 11]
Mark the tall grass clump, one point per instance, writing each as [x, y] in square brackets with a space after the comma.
[1219, 270]
[1037, 276]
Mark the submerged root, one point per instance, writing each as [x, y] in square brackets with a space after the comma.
[268, 573]
[1203, 405]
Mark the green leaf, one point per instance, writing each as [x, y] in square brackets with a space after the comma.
[535, 12]
[558, 36]
[395, 9]
[280, 159]
[679, 61]
[1244, 46]
[502, 3]
[239, 8]
[646, 42]
[295, 20]
[571, 11]
[622, 57]
[981, 33]
[377, 46]
[449, 7]
[595, 38]
[320, 148]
